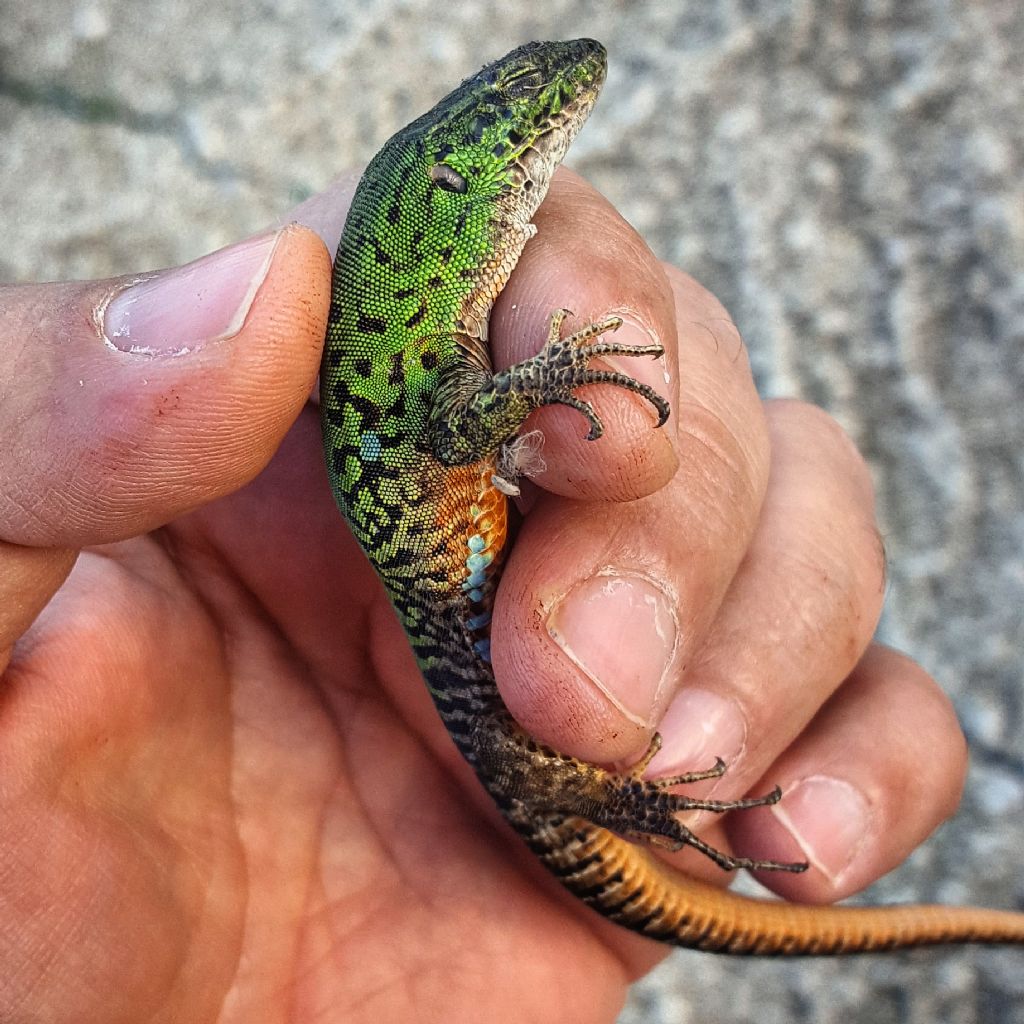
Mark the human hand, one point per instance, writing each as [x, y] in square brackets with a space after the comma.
[224, 793]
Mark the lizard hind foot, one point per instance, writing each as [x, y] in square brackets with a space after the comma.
[659, 826]
[542, 783]
[642, 811]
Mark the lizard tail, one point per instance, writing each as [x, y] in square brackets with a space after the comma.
[628, 885]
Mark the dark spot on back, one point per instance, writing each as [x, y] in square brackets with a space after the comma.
[371, 324]
[369, 412]
[420, 313]
[397, 372]
[396, 410]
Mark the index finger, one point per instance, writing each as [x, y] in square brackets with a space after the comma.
[603, 603]
[587, 259]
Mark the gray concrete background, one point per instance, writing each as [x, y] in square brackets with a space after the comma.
[846, 176]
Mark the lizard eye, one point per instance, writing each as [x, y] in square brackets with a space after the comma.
[447, 178]
[524, 82]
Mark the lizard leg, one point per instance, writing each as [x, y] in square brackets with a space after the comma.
[647, 814]
[521, 772]
[473, 417]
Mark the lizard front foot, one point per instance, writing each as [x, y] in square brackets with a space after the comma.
[472, 419]
[564, 365]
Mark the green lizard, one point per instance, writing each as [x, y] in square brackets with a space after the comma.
[420, 437]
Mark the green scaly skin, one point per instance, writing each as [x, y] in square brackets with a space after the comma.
[419, 436]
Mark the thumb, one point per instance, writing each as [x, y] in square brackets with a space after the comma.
[125, 403]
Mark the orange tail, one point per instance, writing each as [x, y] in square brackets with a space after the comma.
[626, 884]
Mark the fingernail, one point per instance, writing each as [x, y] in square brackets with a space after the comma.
[698, 727]
[174, 311]
[829, 819]
[621, 630]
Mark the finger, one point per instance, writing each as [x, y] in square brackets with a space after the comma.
[602, 605]
[879, 768]
[586, 258]
[797, 617]
[325, 212]
[799, 613]
[28, 578]
[143, 397]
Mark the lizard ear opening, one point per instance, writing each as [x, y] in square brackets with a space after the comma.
[448, 178]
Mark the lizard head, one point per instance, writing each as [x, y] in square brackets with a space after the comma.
[499, 137]
[444, 209]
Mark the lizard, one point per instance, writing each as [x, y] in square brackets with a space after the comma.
[421, 439]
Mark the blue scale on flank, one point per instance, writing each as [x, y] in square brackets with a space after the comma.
[477, 564]
[370, 446]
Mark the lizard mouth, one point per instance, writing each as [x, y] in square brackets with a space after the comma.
[566, 86]
[534, 167]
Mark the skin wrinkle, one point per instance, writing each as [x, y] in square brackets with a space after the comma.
[735, 458]
[826, 577]
[712, 522]
[370, 813]
[12, 506]
[741, 352]
[881, 557]
[804, 604]
[720, 458]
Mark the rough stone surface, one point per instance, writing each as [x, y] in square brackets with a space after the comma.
[847, 177]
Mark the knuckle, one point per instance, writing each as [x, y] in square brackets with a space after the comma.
[820, 436]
